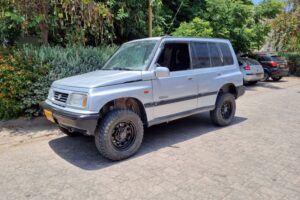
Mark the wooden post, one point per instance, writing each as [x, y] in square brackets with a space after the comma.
[150, 18]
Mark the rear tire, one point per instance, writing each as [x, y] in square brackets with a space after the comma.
[119, 134]
[224, 111]
[276, 78]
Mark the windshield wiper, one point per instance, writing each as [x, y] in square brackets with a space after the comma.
[122, 69]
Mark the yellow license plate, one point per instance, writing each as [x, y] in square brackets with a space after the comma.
[49, 115]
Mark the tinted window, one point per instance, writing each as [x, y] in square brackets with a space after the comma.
[266, 58]
[241, 61]
[227, 56]
[215, 56]
[175, 56]
[200, 55]
[252, 62]
[261, 59]
[276, 58]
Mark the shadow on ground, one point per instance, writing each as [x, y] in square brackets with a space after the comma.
[268, 85]
[81, 151]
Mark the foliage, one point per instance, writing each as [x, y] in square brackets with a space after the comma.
[27, 73]
[63, 21]
[10, 24]
[16, 74]
[239, 21]
[293, 60]
[196, 27]
[286, 27]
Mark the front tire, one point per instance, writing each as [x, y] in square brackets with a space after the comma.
[266, 76]
[119, 135]
[224, 111]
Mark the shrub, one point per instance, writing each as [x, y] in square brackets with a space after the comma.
[10, 28]
[35, 68]
[16, 74]
[294, 62]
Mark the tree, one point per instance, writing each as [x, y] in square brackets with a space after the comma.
[286, 26]
[239, 21]
[197, 27]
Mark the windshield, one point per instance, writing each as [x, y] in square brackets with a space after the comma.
[133, 56]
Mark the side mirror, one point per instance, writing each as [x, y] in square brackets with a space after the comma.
[161, 72]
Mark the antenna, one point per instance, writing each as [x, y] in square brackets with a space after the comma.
[174, 17]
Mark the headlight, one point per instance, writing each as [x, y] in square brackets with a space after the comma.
[50, 94]
[78, 100]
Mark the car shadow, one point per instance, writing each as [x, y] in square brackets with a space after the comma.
[82, 152]
[268, 84]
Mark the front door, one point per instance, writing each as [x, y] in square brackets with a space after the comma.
[177, 93]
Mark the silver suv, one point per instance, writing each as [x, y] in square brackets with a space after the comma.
[147, 82]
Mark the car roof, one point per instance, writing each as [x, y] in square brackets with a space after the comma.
[173, 38]
[266, 54]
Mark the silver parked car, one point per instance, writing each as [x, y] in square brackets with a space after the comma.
[147, 82]
[251, 69]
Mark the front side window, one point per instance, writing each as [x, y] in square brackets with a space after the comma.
[200, 55]
[133, 56]
[175, 56]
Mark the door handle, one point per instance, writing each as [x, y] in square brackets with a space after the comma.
[190, 78]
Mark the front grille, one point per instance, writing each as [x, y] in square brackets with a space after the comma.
[61, 97]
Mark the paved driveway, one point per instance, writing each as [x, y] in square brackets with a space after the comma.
[257, 157]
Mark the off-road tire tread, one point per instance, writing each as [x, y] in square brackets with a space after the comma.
[102, 139]
[215, 115]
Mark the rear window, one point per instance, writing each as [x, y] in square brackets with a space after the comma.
[264, 58]
[276, 58]
[227, 56]
[252, 62]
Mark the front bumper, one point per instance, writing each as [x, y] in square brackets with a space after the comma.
[82, 122]
[279, 72]
[240, 90]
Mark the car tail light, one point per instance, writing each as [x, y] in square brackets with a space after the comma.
[274, 64]
[247, 67]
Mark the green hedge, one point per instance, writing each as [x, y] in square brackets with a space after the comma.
[26, 74]
[293, 61]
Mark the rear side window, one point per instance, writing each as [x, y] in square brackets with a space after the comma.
[215, 55]
[200, 55]
[227, 56]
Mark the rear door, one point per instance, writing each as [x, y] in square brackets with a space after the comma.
[212, 63]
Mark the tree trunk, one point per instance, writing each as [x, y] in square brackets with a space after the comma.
[44, 32]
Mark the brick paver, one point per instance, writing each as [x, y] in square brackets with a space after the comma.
[258, 157]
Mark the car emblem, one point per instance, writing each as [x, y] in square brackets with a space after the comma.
[59, 96]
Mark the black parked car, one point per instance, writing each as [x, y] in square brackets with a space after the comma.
[274, 66]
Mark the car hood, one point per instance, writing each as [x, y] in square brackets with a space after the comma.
[99, 78]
